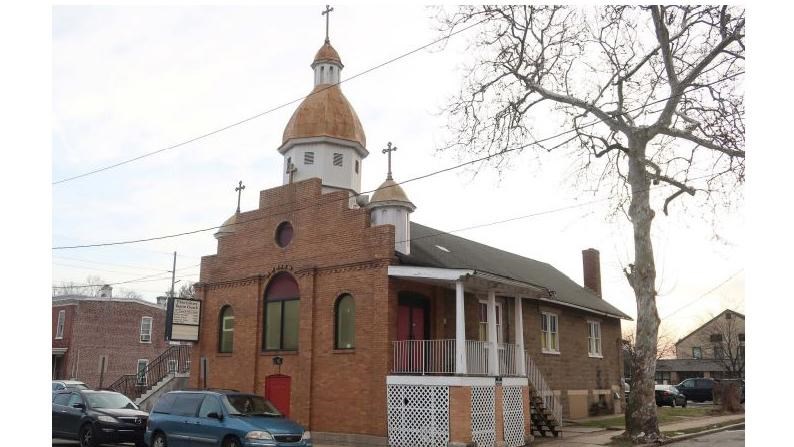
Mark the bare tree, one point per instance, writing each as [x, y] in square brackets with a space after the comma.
[187, 291]
[91, 287]
[665, 348]
[649, 95]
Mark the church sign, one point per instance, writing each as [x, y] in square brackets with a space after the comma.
[182, 319]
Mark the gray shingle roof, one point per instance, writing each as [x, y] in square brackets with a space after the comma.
[691, 365]
[461, 253]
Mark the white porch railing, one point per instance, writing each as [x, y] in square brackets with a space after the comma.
[438, 357]
[424, 356]
[477, 357]
[507, 359]
[550, 401]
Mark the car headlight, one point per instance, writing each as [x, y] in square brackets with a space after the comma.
[110, 419]
[259, 436]
[307, 435]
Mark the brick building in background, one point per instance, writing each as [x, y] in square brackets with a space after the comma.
[123, 334]
[367, 327]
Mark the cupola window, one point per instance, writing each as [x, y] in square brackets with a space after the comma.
[338, 159]
[308, 158]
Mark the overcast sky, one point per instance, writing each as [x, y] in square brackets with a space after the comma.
[130, 80]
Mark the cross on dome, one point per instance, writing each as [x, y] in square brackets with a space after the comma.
[327, 14]
[389, 149]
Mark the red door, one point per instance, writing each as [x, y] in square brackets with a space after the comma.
[277, 391]
[411, 325]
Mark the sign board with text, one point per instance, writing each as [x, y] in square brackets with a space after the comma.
[183, 318]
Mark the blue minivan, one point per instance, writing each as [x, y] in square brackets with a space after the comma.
[220, 419]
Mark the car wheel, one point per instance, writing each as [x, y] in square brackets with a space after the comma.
[159, 440]
[87, 436]
[231, 442]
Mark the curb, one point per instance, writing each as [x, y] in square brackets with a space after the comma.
[700, 433]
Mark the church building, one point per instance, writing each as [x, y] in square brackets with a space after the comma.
[371, 329]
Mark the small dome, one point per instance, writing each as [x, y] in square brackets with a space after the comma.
[325, 113]
[227, 227]
[390, 193]
[327, 53]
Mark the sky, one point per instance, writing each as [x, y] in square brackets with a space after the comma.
[131, 80]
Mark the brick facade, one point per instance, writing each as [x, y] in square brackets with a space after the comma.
[335, 251]
[97, 327]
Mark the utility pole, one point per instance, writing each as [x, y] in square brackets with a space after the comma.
[173, 276]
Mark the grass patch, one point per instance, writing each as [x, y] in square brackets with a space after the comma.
[664, 414]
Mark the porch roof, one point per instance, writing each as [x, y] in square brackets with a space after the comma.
[434, 248]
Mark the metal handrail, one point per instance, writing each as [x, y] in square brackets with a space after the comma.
[424, 356]
[174, 360]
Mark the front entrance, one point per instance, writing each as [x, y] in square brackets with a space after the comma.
[412, 317]
[277, 391]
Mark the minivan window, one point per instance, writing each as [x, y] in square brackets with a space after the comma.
[210, 405]
[186, 404]
[250, 404]
[164, 404]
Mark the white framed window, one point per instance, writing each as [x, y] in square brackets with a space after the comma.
[59, 326]
[484, 321]
[550, 343]
[594, 339]
[140, 369]
[697, 352]
[146, 329]
[172, 365]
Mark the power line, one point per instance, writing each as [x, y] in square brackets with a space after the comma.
[137, 280]
[703, 295]
[258, 115]
[430, 174]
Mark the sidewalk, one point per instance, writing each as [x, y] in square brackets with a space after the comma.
[574, 435]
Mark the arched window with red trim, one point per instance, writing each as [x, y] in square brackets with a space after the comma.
[282, 300]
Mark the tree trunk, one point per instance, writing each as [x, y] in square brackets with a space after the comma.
[642, 424]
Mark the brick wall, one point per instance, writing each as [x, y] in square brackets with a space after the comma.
[333, 252]
[109, 328]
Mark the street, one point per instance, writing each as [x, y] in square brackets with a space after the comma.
[727, 438]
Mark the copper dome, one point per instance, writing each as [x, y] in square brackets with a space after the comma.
[325, 113]
[327, 53]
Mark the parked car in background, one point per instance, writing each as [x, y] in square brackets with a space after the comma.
[220, 418]
[97, 417]
[669, 395]
[58, 385]
[697, 389]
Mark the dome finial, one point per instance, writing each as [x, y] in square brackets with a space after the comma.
[327, 14]
[389, 149]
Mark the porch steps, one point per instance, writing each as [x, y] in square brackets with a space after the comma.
[541, 418]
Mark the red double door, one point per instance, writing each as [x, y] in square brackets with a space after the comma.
[412, 324]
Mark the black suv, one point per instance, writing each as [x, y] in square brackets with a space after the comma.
[697, 389]
[96, 417]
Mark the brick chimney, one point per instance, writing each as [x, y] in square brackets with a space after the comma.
[591, 265]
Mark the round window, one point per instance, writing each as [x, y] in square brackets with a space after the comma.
[284, 234]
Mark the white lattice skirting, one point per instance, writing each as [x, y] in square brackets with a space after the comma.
[418, 415]
[483, 423]
[513, 412]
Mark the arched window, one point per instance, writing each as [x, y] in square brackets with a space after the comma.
[226, 330]
[281, 313]
[345, 317]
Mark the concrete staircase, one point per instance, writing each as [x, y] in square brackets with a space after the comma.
[171, 382]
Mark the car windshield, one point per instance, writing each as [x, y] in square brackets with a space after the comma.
[249, 405]
[109, 401]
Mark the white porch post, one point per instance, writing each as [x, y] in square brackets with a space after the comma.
[493, 348]
[519, 338]
[460, 330]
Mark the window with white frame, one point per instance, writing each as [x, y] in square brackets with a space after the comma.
[146, 330]
[594, 339]
[140, 369]
[549, 335]
[483, 332]
[59, 326]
